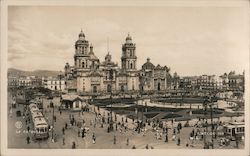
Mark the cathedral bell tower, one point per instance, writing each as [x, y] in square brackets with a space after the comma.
[128, 59]
[81, 52]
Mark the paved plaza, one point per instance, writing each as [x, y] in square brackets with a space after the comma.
[124, 138]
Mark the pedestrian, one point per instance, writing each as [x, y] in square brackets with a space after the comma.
[83, 133]
[93, 138]
[60, 112]
[166, 139]
[73, 145]
[174, 131]
[147, 146]
[28, 140]
[78, 132]
[55, 118]
[178, 141]
[127, 141]
[63, 140]
[66, 125]
[133, 147]
[114, 139]
[55, 137]
[237, 143]
[28, 128]
[26, 121]
[63, 130]
[173, 138]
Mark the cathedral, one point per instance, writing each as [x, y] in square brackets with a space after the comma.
[90, 75]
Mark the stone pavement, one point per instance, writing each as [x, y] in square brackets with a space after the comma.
[104, 140]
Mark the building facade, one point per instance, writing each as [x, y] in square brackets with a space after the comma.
[54, 83]
[90, 75]
[236, 81]
[155, 78]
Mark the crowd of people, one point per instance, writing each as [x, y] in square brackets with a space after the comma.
[85, 127]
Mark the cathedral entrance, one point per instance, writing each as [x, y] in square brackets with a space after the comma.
[109, 88]
[142, 88]
[159, 86]
[122, 88]
[94, 89]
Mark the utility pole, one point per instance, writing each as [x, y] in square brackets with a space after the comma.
[52, 104]
[205, 117]
[111, 79]
[212, 124]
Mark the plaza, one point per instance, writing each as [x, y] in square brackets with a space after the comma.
[124, 130]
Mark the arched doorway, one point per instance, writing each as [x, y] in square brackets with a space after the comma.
[159, 86]
[122, 88]
[109, 88]
[142, 88]
[94, 89]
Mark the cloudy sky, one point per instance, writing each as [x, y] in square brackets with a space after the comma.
[189, 40]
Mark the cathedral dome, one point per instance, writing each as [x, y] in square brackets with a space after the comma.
[128, 37]
[148, 65]
[81, 34]
[108, 58]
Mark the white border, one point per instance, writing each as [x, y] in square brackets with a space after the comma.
[172, 3]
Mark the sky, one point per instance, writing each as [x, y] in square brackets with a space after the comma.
[189, 40]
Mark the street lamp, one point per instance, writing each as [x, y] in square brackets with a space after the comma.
[212, 128]
[111, 79]
[137, 102]
[52, 105]
[205, 114]
[60, 78]
[211, 114]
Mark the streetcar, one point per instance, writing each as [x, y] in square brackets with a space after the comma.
[234, 129]
[41, 128]
[39, 123]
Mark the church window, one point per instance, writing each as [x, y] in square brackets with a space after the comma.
[131, 65]
[80, 49]
[109, 88]
[83, 64]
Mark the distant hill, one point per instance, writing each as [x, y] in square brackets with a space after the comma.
[38, 73]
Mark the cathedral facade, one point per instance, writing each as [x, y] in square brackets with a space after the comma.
[154, 78]
[90, 75]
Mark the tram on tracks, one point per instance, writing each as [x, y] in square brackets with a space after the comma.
[234, 129]
[39, 123]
